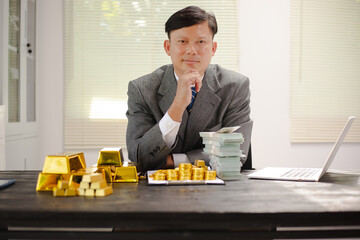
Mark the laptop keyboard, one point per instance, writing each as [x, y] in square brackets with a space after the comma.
[300, 172]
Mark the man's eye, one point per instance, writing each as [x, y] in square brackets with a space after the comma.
[181, 41]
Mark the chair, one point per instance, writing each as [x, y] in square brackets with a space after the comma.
[248, 163]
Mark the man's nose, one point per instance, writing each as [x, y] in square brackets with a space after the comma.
[191, 49]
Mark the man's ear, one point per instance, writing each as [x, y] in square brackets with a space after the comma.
[167, 47]
[214, 47]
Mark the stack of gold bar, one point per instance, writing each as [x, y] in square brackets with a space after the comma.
[94, 185]
[63, 173]
[61, 167]
[116, 170]
[63, 189]
[185, 171]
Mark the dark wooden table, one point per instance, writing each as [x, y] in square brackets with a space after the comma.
[246, 209]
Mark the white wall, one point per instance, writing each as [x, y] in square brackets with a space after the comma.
[50, 69]
[264, 45]
[265, 58]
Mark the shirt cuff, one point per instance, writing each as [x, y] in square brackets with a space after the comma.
[169, 129]
[180, 158]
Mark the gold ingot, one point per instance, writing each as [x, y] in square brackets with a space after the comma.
[98, 185]
[111, 156]
[64, 163]
[58, 192]
[104, 191]
[94, 177]
[76, 177]
[70, 192]
[199, 163]
[47, 182]
[63, 184]
[126, 174]
[109, 172]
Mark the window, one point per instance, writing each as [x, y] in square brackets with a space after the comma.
[325, 72]
[108, 44]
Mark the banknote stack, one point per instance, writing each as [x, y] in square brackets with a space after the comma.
[223, 147]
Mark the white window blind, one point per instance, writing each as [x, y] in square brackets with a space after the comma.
[325, 69]
[108, 44]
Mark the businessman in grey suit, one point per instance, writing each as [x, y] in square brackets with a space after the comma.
[168, 108]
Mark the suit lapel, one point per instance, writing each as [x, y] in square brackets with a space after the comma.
[204, 107]
[166, 95]
[167, 89]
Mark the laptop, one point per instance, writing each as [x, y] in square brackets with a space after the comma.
[303, 174]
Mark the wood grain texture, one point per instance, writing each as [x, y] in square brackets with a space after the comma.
[237, 205]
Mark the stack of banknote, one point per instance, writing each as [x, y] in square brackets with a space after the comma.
[223, 147]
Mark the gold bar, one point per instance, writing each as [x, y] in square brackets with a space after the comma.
[199, 163]
[46, 182]
[70, 192]
[81, 191]
[126, 174]
[104, 191]
[58, 192]
[64, 163]
[63, 184]
[94, 177]
[109, 172]
[98, 185]
[89, 192]
[111, 156]
[84, 185]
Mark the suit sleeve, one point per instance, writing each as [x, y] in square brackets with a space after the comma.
[143, 136]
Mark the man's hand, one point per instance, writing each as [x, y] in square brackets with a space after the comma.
[183, 93]
[169, 162]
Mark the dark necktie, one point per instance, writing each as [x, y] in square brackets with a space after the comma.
[193, 92]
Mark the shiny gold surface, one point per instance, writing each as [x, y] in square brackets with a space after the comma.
[108, 171]
[111, 156]
[46, 182]
[104, 191]
[210, 175]
[199, 163]
[94, 177]
[126, 174]
[98, 185]
[64, 163]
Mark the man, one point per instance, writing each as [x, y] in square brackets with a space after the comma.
[163, 122]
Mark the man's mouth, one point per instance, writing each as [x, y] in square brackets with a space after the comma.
[190, 62]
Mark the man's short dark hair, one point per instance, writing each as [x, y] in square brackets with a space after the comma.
[190, 16]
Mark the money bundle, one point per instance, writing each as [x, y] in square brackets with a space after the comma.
[223, 147]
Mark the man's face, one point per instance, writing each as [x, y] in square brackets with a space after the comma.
[191, 47]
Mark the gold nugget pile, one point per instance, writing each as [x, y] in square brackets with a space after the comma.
[186, 171]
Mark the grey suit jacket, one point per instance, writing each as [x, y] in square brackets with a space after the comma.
[222, 101]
